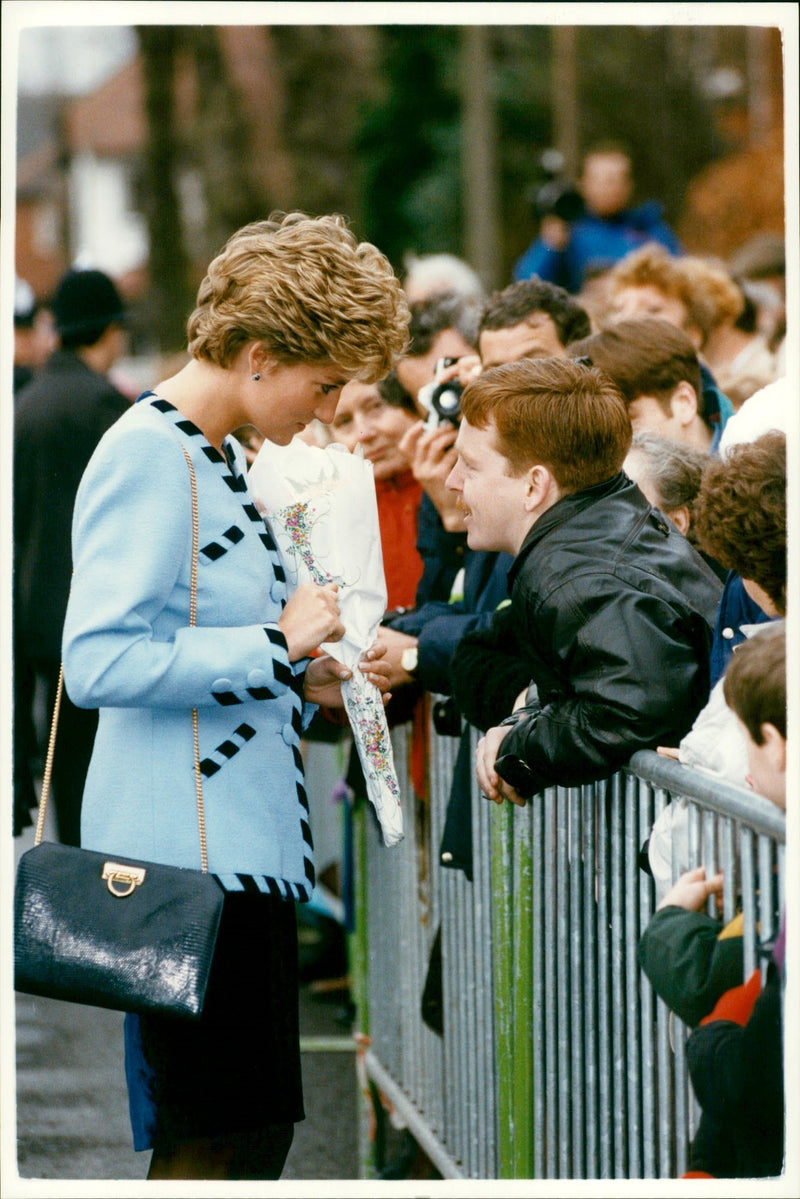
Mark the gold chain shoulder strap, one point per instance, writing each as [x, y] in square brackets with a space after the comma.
[198, 777]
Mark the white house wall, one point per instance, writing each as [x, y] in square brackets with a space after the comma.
[105, 232]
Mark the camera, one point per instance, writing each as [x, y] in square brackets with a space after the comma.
[446, 401]
[442, 400]
[557, 195]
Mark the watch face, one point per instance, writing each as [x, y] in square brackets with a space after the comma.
[409, 659]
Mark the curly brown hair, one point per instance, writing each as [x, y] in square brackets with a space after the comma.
[739, 515]
[706, 290]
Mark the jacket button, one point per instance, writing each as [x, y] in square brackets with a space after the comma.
[277, 591]
[257, 678]
[222, 685]
[287, 732]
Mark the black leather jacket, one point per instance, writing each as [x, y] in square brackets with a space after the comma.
[613, 610]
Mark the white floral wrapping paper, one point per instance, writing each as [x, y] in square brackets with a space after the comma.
[321, 508]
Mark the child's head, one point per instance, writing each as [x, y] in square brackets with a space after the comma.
[755, 690]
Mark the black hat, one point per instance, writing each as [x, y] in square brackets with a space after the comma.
[85, 303]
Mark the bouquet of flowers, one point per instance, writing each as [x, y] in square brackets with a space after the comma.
[321, 508]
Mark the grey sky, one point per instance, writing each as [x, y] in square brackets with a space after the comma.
[72, 59]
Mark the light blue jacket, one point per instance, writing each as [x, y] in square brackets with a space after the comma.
[129, 650]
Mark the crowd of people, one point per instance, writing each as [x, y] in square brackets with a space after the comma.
[581, 490]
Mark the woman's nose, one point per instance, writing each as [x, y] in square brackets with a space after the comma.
[326, 410]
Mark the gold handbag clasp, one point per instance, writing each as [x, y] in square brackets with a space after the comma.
[122, 880]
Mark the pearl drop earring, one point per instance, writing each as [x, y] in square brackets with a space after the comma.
[256, 376]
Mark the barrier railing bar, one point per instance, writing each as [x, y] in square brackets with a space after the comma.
[576, 1006]
[712, 792]
[556, 1059]
[747, 860]
[563, 1007]
[605, 1114]
[414, 1120]
[647, 1020]
[503, 924]
[538, 1034]
[548, 919]
[631, 941]
[618, 1009]
[589, 814]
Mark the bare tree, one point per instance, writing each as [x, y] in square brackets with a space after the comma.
[169, 294]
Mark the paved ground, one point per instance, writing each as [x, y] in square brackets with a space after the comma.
[72, 1120]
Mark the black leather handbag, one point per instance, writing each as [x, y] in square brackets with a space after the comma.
[108, 931]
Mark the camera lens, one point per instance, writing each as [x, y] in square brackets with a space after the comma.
[446, 401]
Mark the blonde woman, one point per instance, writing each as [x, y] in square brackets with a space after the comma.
[289, 311]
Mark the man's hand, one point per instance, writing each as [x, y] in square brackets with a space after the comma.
[395, 642]
[490, 783]
[692, 890]
[324, 676]
[431, 456]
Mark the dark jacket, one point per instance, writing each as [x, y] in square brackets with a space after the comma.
[596, 243]
[690, 960]
[442, 554]
[612, 611]
[736, 609]
[737, 1077]
[717, 408]
[734, 1058]
[59, 418]
[439, 626]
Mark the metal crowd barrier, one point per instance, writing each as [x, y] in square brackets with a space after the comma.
[557, 1061]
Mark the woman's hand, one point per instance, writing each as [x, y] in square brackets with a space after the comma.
[310, 617]
[324, 676]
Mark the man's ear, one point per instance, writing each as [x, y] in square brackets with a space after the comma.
[681, 518]
[541, 491]
[683, 403]
[776, 745]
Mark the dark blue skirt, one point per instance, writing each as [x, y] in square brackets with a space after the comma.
[237, 1068]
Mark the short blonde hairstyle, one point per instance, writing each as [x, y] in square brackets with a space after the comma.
[708, 293]
[308, 291]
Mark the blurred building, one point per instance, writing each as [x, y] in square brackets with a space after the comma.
[79, 163]
[269, 117]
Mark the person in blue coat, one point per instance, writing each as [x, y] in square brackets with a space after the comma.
[289, 310]
[566, 253]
